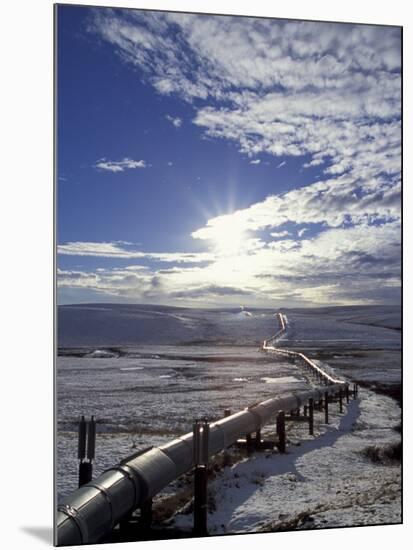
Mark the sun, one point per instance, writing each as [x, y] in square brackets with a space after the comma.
[228, 236]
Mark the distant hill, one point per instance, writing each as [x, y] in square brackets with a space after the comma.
[124, 324]
[108, 325]
[378, 316]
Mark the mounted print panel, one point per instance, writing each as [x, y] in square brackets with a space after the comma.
[228, 275]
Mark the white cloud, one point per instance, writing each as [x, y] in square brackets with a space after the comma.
[332, 203]
[116, 250]
[336, 266]
[324, 91]
[176, 121]
[280, 234]
[286, 88]
[120, 165]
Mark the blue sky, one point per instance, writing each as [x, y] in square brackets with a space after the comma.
[207, 160]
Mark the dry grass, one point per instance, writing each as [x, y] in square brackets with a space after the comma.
[385, 454]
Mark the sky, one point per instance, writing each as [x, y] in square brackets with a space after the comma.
[212, 161]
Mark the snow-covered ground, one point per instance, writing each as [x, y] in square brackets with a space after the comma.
[331, 330]
[146, 372]
[322, 481]
[152, 394]
[325, 480]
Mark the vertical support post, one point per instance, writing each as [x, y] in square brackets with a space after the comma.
[86, 466]
[201, 450]
[91, 439]
[226, 460]
[81, 442]
[281, 432]
[200, 501]
[257, 439]
[146, 514]
[354, 390]
[340, 399]
[305, 410]
[347, 393]
[326, 407]
[311, 416]
[91, 446]
[85, 473]
[81, 451]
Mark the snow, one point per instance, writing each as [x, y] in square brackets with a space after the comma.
[146, 372]
[321, 481]
[149, 395]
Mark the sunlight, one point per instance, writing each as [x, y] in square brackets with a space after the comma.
[228, 236]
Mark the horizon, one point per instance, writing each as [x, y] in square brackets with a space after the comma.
[234, 307]
[215, 161]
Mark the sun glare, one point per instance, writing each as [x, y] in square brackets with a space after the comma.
[228, 237]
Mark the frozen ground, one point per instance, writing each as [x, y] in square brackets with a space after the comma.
[150, 395]
[308, 329]
[357, 342]
[146, 372]
[323, 481]
[122, 325]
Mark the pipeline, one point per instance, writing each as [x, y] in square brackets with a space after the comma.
[90, 513]
[93, 510]
[323, 376]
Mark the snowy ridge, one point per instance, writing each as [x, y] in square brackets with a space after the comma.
[321, 374]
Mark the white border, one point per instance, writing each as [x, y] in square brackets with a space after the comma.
[26, 234]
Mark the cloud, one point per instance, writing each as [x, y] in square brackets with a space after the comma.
[109, 282]
[120, 165]
[280, 234]
[118, 250]
[326, 94]
[102, 249]
[176, 121]
[286, 88]
[343, 265]
[207, 291]
[332, 202]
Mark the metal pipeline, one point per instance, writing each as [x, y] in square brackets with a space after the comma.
[91, 512]
[316, 369]
[327, 378]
